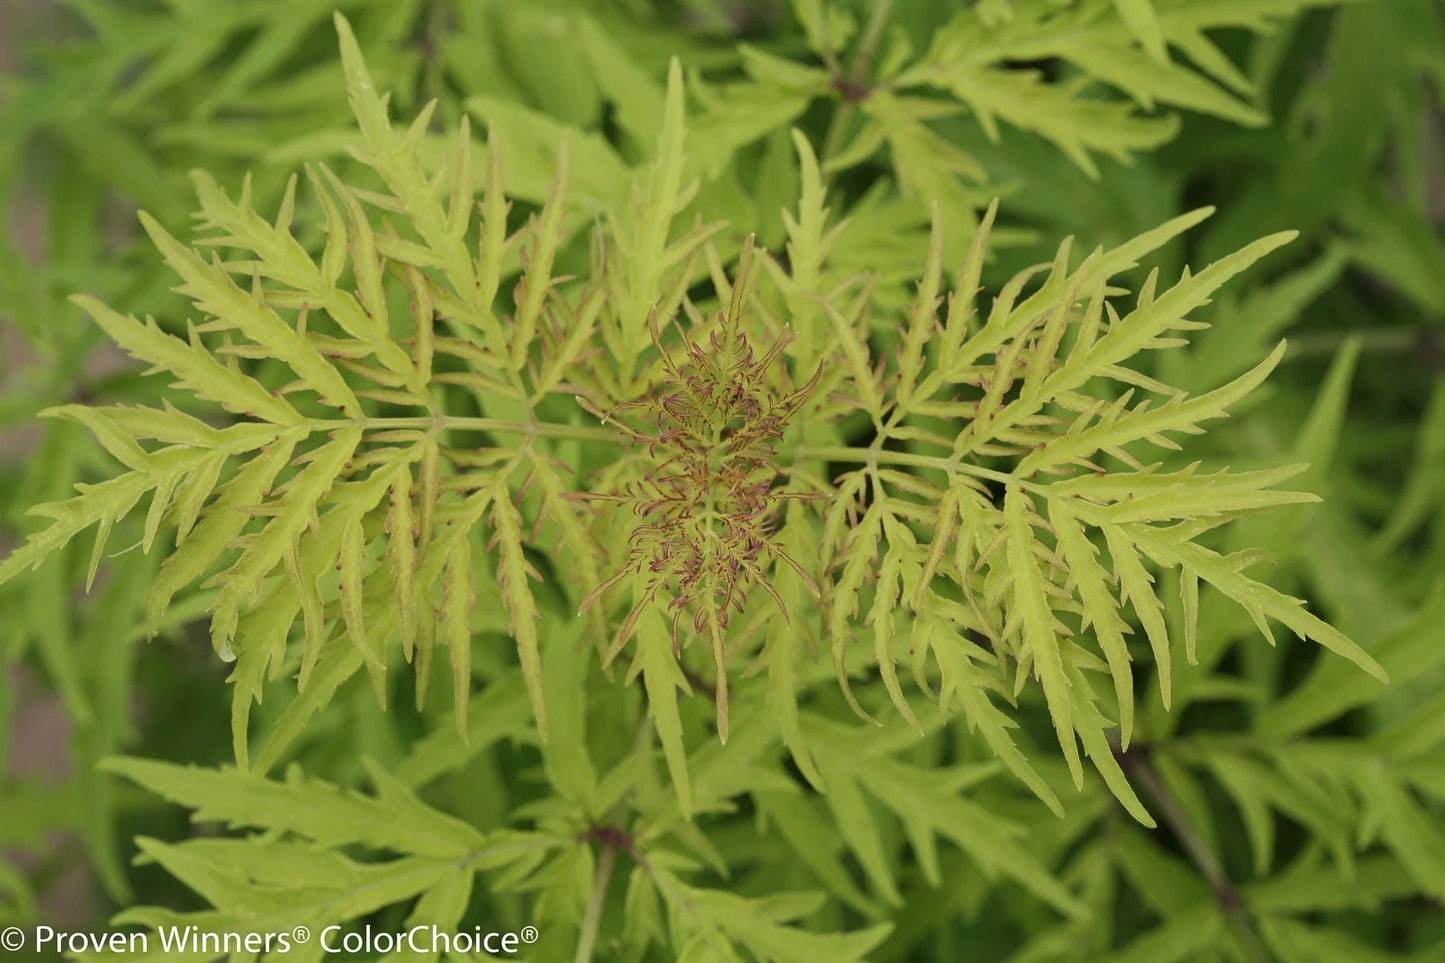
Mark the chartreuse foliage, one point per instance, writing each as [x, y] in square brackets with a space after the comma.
[1123, 45]
[744, 473]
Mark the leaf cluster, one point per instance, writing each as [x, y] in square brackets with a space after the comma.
[445, 393]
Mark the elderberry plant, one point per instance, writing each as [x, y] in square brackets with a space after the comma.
[628, 432]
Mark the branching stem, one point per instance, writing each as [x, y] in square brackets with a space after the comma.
[851, 86]
[869, 46]
[612, 839]
[1135, 762]
[587, 941]
[540, 429]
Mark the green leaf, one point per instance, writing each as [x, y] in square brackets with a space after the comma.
[662, 678]
[392, 820]
[1408, 829]
[1179, 940]
[1036, 617]
[513, 572]
[927, 802]
[1140, 16]
[214, 291]
[709, 921]
[1101, 608]
[1137, 586]
[1333, 687]
[1259, 600]
[1297, 942]
[200, 546]
[195, 368]
[501, 712]
[296, 511]
[458, 597]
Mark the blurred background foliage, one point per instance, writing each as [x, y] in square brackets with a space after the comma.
[1329, 122]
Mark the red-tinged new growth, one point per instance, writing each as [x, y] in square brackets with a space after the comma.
[709, 503]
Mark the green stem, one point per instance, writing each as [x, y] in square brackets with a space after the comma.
[869, 46]
[1225, 893]
[592, 920]
[876, 456]
[838, 125]
[541, 429]
[587, 942]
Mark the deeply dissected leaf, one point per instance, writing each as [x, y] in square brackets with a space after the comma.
[362, 421]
